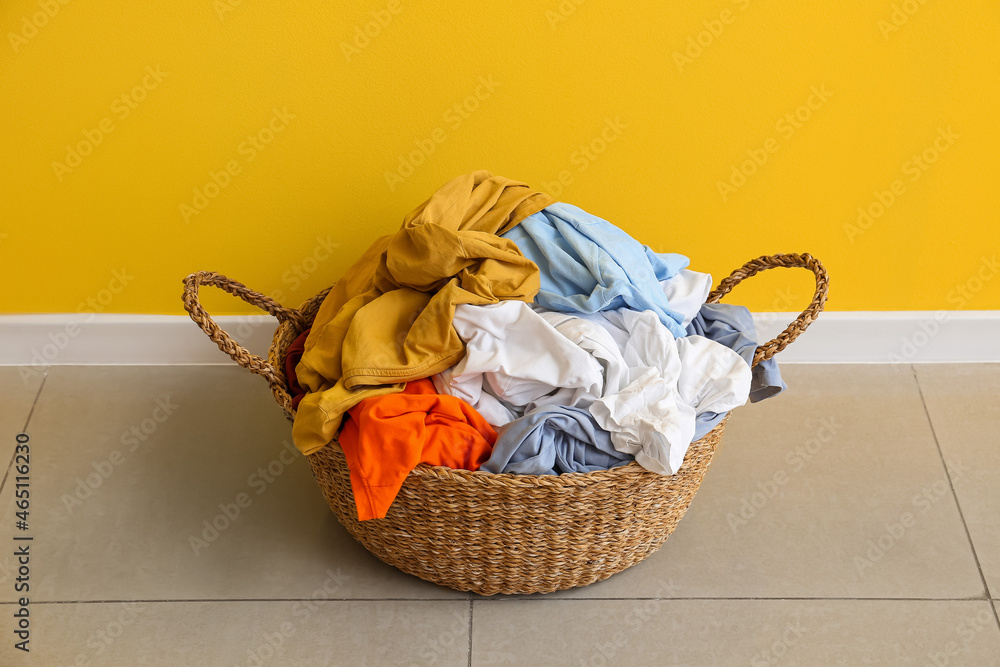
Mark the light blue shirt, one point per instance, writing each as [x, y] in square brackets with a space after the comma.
[587, 265]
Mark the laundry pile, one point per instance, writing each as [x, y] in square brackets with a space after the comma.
[499, 330]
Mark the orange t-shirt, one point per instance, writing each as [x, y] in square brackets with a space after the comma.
[387, 436]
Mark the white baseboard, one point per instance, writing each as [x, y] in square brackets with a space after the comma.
[838, 337]
[45, 340]
[890, 337]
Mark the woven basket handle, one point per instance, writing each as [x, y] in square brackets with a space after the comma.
[239, 354]
[802, 322]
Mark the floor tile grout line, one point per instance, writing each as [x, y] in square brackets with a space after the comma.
[31, 412]
[471, 606]
[707, 598]
[516, 599]
[954, 494]
[38, 394]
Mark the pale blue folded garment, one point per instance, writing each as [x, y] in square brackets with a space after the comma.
[733, 326]
[587, 265]
[553, 440]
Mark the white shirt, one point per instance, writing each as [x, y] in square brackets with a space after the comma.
[515, 361]
[642, 385]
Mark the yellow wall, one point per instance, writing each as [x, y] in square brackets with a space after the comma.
[169, 95]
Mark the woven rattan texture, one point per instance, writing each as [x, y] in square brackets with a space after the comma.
[473, 531]
[488, 534]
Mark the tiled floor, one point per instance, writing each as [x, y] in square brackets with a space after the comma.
[853, 520]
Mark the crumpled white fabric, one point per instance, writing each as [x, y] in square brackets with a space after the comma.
[646, 417]
[686, 291]
[710, 378]
[642, 385]
[515, 361]
[590, 333]
[672, 382]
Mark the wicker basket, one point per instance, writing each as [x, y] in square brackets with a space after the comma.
[475, 531]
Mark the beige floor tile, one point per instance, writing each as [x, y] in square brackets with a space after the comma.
[192, 443]
[246, 634]
[963, 401]
[18, 389]
[717, 633]
[833, 489]
[19, 386]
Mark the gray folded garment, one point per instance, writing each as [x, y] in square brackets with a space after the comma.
[552, 440]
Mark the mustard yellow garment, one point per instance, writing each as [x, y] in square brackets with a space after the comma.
[388, 320]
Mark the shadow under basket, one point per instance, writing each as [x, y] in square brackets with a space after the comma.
[512, 534]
